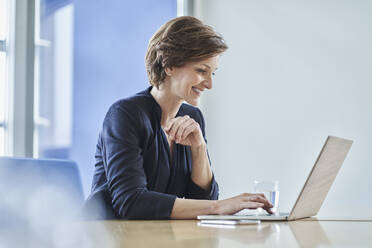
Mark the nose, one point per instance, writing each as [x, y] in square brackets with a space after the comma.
[208, 82]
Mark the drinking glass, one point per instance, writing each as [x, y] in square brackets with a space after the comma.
[271, 191]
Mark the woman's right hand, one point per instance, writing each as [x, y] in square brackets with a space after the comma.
[243, 201]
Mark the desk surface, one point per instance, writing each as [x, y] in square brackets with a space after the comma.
[190, 234]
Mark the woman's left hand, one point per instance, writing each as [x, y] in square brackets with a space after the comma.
[185, 130]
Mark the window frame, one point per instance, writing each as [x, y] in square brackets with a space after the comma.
[21, 120]
[3, 49]
[19, 123]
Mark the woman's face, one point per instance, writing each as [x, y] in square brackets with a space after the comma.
[189, 81]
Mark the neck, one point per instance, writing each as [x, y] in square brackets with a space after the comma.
[169, 103]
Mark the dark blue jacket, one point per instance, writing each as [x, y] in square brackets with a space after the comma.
[134, 178]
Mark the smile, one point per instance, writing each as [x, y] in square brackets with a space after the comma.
[197, 91]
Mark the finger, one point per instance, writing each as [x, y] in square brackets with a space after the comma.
[248, 196]
[259, 198]
[190, 129]
[261, 195]
[252, 205]
[267, 205]
[179, 122]
[181, 129]
[268, 210]
[169, 125]
[191, 126]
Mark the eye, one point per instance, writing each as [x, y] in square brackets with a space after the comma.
[213, 73]
[201, 70]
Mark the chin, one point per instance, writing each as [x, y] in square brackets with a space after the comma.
[193, 102]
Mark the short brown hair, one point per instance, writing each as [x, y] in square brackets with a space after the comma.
[180, 40]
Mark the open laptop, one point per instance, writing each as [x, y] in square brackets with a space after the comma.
[315, 189]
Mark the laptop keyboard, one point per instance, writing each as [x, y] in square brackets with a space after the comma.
[248, 212]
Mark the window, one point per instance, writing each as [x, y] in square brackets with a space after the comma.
[36, 92]
[3, 71]
[53, 78]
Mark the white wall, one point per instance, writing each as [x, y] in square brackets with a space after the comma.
[296, 71]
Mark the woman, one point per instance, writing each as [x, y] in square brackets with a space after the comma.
[151, 159]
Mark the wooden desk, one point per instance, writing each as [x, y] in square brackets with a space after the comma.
[190, 234]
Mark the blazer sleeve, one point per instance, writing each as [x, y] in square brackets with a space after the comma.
[195, 191]
[125, 174]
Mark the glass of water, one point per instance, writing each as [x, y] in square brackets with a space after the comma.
[271, 191]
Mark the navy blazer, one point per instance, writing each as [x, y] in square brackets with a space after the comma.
[134, 177]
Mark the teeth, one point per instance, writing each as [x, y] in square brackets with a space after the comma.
[197, 90]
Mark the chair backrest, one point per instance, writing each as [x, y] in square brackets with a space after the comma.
[31, 185]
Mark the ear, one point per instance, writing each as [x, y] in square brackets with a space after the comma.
[168, 71]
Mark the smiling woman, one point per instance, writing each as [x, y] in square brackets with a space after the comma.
[152, 151]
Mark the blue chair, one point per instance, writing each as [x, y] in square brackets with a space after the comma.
[37, 196]
[31, 185]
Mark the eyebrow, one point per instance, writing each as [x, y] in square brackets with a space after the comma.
[209, 67]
